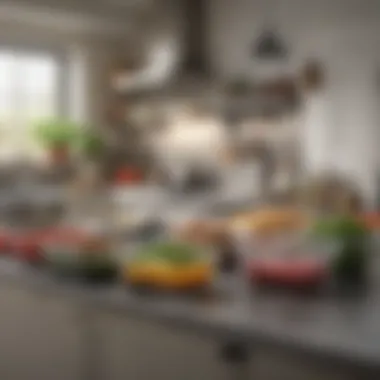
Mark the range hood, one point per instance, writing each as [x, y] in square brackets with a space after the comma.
[177, 51]
[196, 36]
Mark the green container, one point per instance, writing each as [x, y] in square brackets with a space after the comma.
[69, 262]
[351, 247]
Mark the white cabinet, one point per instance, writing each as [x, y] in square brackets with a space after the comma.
[38, 337]
[46, 338]
[144, 350]
[279, 365]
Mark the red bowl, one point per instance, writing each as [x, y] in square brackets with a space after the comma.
[65, 235]
[299, 272]
[27, 248]
[6, 239]
[128, 176]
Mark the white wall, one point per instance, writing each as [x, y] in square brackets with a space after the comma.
[87, 56]
[343, 34]
[311, 27]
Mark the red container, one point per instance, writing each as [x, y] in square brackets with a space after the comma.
[371, 220]
[65, 235]
[128, 175]
[6, 239]
[28, 247]
[301, 272]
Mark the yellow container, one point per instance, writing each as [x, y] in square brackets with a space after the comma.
[168, 276]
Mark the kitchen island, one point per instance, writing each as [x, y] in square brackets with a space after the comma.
[57, 329]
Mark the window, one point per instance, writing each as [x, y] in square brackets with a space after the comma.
[29, 90]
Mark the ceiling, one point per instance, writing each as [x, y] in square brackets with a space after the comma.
[83, 15]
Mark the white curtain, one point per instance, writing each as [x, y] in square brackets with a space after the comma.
[29, 85]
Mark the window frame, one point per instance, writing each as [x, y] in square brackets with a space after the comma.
[59, 57]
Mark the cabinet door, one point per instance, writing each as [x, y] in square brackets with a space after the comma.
[280, 365]
[145, 350]
[38, 337]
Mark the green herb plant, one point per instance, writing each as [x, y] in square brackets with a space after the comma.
[351, 261]
[56, 133]
[171, 253]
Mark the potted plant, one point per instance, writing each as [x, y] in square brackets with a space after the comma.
[91, 144]
[91, 148]
[57, 135]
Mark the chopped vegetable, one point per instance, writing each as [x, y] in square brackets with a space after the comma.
[170, 253]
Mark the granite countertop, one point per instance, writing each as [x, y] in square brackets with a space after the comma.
[344, 330]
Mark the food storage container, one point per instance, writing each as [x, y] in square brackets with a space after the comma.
[169, 266]
[276, 250]
[71, 260]
[81, 255]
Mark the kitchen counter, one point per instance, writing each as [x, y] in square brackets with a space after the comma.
[326, 329]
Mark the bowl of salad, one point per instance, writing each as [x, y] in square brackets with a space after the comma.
[169, 265]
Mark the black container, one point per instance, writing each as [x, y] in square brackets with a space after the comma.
[79, 266]
[351, 266]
